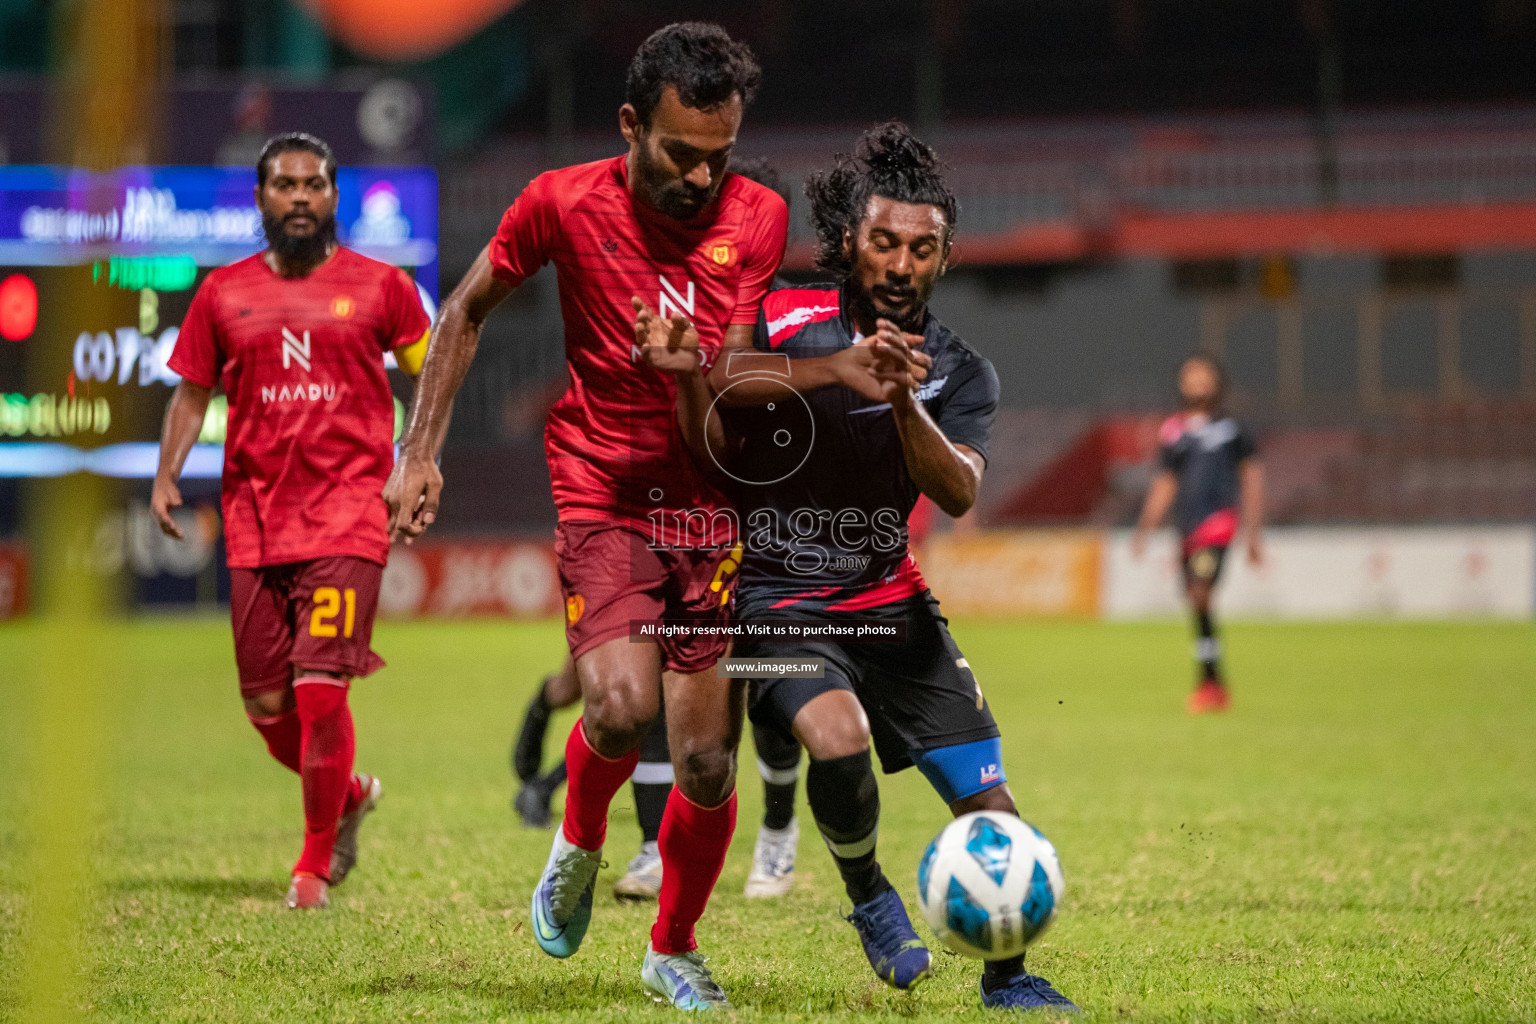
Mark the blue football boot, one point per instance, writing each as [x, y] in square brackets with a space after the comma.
[895, 952]
[682, 979]
[1027, 992]
[562, 901]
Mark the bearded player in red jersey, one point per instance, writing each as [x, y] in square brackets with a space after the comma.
[662, 227]
[296, 335]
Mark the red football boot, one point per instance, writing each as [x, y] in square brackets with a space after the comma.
[1210, 697]
[308, 892]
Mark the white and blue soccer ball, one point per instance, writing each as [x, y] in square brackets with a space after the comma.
[989, 885]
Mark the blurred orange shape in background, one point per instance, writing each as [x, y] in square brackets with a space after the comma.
[406, 29]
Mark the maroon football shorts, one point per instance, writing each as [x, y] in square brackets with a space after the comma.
[315, 615]
[610, 576]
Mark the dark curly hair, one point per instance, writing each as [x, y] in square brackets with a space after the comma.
[295, 142]
[888, 161]
[704, 64]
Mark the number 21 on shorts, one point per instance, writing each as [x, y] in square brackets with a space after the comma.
[328, 602]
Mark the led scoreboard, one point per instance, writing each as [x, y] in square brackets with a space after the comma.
[96, 273]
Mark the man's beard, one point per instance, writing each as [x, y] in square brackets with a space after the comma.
[305, 250]
[673, 197]
[864, 307]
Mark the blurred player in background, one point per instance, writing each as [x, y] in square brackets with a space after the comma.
[778, 757]
[826, 526]
[661, 228]
[296, 336]
[1212, 479]
[557, 691]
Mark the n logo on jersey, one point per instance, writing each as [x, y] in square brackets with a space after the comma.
[671, 302]
[295, 350]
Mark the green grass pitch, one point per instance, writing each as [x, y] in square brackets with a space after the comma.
[1356, 841]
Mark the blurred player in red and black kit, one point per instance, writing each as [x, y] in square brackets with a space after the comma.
[661, 228]
[296, 336]
[1212, 478]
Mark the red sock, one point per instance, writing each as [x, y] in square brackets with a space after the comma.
[326, 766]
[282, 733]
[591, 781]
[693, 843]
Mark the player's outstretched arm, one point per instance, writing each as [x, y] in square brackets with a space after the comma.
[410, 359]
[183, 422]
[949, 473]
[1165, 487]
[1251, 481]
[416, 485]
[754, 377]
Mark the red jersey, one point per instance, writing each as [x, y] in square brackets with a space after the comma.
[614, 449]
[311, 418]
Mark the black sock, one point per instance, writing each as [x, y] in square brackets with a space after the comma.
[650, 805]
[554, 780]
[778, 805]
[845, 800]
[1207, 647]
[995, 972]
[528, 751]
[778, 761]
[652, 781]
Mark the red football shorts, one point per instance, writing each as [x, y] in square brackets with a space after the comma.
[315, 615]
[610, 576]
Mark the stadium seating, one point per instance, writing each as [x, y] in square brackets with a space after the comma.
[1472, 462]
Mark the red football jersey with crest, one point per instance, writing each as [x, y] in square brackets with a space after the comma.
[614, 449]
[311, 417]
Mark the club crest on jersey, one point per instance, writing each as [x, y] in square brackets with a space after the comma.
[342, 307]
[295, 349]
[723, 254]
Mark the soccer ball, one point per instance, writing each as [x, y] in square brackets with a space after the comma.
[989, 884]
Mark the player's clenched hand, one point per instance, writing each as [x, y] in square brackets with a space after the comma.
[878, 366]
[166, 496]
[889, 336]
[411, 495]
[872, 370]
[671, 346]
[907, 366]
